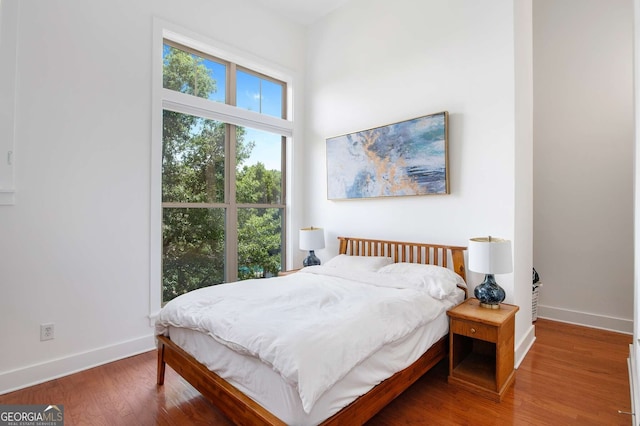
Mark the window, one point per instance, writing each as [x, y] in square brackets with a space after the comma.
[222, 170]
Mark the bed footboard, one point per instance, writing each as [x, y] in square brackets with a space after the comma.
[233, 403]
[245, 411]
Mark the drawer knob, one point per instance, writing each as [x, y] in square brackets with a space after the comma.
[473, 330]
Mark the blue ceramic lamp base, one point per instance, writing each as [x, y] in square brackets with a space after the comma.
[311, 260]
[489, 293]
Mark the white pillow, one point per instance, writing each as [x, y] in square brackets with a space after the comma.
[439, 282]
[358, 263]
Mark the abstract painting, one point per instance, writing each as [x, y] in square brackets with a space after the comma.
[405, 158]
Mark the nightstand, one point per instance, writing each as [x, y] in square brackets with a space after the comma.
[289, 272]
[481, 348]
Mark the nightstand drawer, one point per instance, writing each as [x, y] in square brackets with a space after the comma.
[474, 329]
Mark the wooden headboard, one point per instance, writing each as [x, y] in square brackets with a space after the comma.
[432, 254]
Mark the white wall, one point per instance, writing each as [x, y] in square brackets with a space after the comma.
[74, 249]
[583, 156]
[375, 62]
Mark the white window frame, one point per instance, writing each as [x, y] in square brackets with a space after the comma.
[171, 100]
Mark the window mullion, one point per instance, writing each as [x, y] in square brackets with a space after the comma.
[232, 209]
[180, 102]
[175, 205]
[231, 85]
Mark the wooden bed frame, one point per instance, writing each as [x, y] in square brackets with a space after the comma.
[245, 411]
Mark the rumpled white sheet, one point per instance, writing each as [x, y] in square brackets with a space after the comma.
[312, 327]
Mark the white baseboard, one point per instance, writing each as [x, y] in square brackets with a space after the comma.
[603, 322]
[522, 347]
[55, 368]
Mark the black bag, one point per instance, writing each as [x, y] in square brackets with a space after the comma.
[536, 278]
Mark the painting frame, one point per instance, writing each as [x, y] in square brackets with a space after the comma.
[406, 158]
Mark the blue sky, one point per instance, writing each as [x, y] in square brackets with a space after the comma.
[261, 95]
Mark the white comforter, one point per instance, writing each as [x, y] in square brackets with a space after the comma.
[312, 327]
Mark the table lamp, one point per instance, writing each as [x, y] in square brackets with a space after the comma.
[490, 256]
[311, 239]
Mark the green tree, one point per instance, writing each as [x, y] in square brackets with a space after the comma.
[256, 184]
[193, 248]
[259, 242]
[186, 73]
[260, 230]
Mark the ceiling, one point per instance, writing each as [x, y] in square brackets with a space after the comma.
[304, 12]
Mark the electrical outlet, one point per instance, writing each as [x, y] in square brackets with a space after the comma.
[46, 332]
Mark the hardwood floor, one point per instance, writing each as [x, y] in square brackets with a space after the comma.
[572, 376]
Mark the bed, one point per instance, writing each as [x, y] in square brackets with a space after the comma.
[257, 390]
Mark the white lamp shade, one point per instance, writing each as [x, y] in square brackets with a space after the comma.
[489, 255]
[311, 238]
